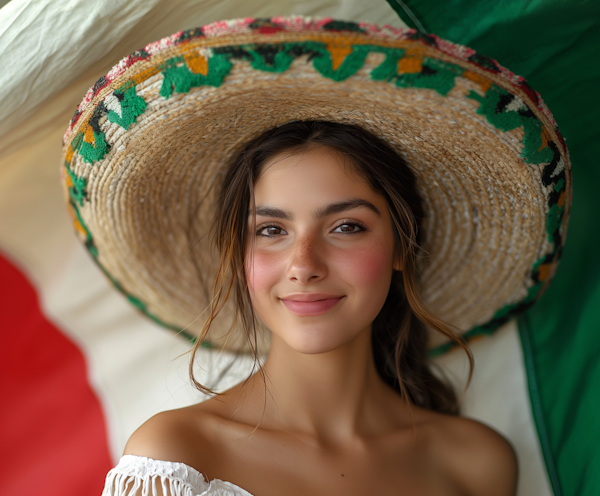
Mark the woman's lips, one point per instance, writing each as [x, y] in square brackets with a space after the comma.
[299, 306]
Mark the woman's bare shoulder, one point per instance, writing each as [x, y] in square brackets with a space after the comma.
[480, 459]
[181, 435]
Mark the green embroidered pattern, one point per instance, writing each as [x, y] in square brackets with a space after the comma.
[270, 58]
[337, 62]
[506, 112]
[435, 74]
[388, 69]
[131, 107]
[534, 151]
[96, 151]
[77, 190]
[326, 62]
[178, 78]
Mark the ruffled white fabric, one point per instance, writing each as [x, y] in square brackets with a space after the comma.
[141, 476]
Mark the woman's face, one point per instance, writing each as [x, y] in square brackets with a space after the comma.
[320, 262]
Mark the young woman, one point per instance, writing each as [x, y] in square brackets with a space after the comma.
[322, 246]
[363, 186]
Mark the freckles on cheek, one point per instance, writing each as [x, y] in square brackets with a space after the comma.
[261, 271]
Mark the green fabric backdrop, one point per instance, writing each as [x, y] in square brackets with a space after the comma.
[555, 45]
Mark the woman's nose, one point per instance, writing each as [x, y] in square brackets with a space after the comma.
[306, 264]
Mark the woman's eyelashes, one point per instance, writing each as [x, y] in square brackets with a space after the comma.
[350, 227]
[270, 230]
[345, 227]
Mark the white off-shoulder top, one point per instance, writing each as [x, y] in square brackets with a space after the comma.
[148, 477]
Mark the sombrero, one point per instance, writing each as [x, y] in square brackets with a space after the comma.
[144, 154]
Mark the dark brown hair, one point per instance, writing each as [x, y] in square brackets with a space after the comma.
[399, 332]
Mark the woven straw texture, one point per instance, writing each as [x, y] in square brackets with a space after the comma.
[144, 154]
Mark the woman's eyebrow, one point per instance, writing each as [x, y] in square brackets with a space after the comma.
[269, 211]
[337, 207]
[332, 208]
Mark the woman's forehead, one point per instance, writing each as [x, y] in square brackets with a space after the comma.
[314, 175]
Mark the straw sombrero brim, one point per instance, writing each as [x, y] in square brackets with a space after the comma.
[145, 151]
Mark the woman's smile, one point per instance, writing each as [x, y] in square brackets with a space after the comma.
[310, 304]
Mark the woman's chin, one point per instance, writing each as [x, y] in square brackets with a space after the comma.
[311, 341]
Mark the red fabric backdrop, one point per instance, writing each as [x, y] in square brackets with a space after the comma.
[52, 430]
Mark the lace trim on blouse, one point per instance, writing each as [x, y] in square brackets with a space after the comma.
[145, 476]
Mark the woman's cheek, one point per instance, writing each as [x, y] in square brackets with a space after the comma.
[369, 267]
[262, 271]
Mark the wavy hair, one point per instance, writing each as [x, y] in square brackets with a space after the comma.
[399, 332]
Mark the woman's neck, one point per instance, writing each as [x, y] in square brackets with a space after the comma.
[331, 396]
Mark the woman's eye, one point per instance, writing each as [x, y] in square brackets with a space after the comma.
[349, 228]
[270, 231]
